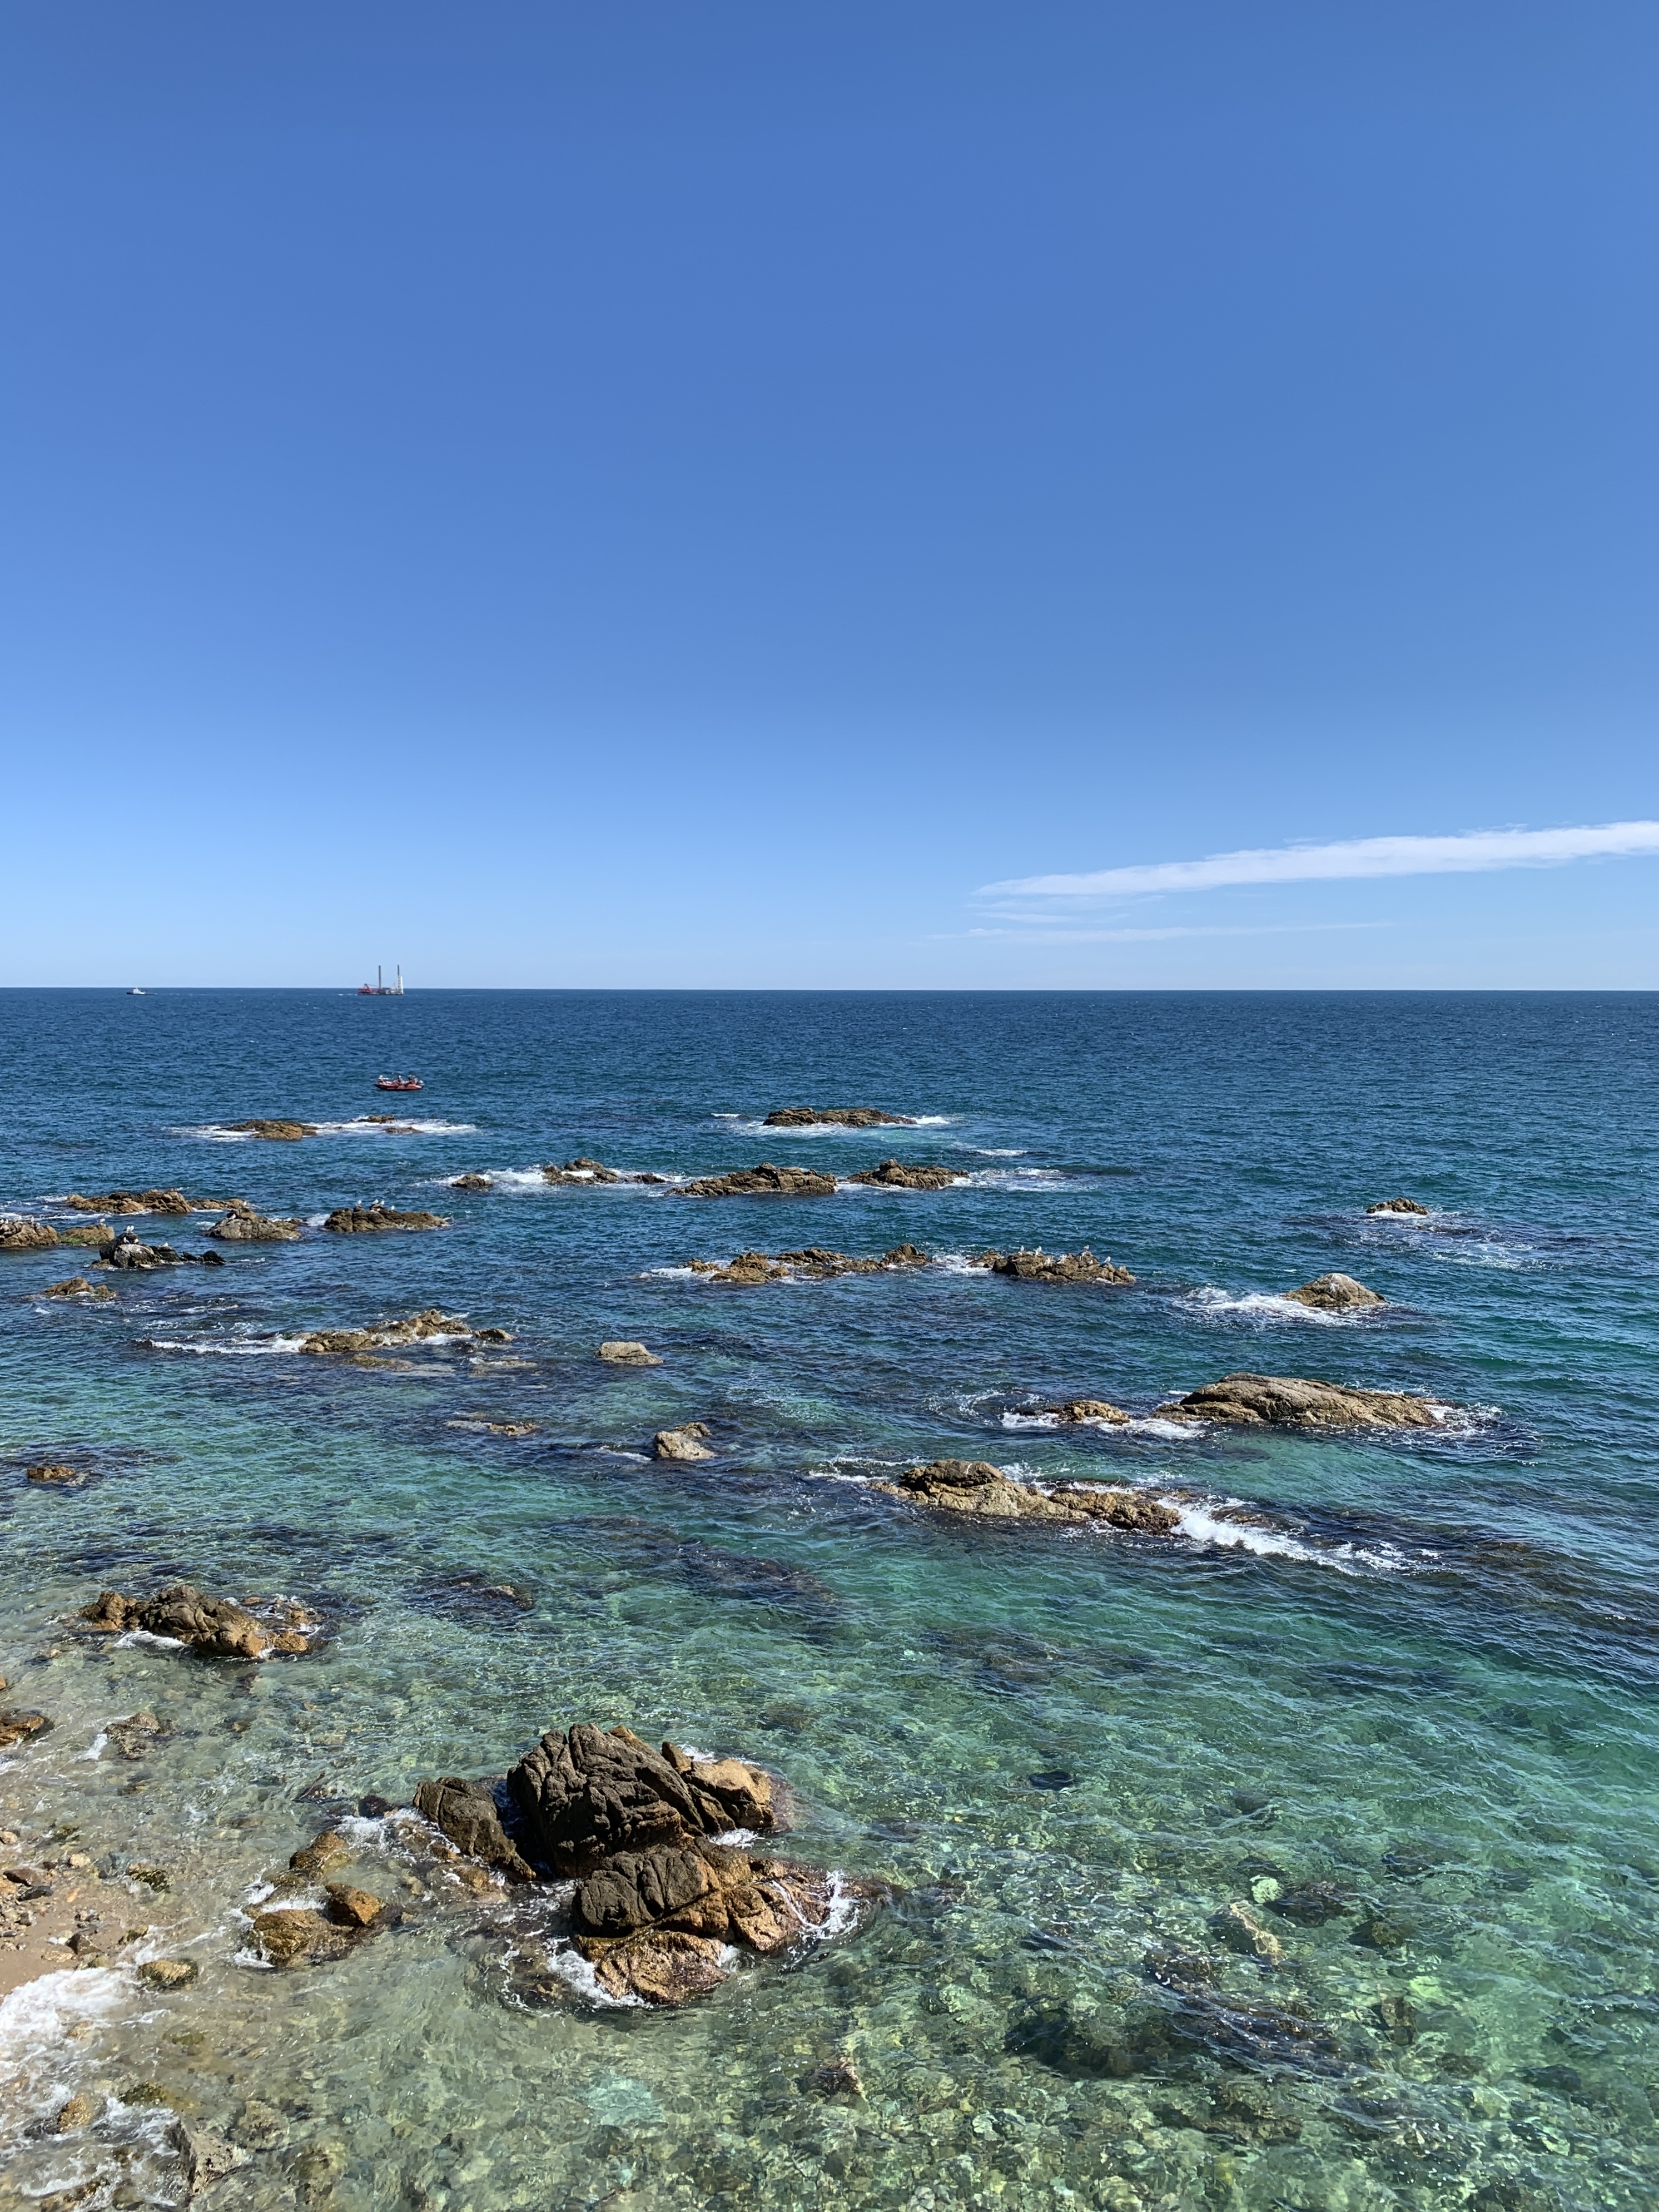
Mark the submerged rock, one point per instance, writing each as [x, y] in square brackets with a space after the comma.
[241, 1224]
[18, 1727]
[19, 1233]
[1041, 1266]
[978, 1487]
[583, 1171]
[276, 1132]
[1397, 1206]
[57, 1477]
[1088, 1409]
[1240, 1931]
[212, 1627]
[813, 1262]
[137, 1735]
[137, 1201]
[763, 1181]
[384, 1335]
[357, 1220]
[896, 1175]
[837, 1117]
[1336, 1293]
[624, 1351]
[1287, 1401]
[686, 1442]
[472, 1182]
[586, 1795]
[205, 2158]
[289, 1934]
[77, 1286]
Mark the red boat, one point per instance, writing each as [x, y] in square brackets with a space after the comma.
[398, 1083]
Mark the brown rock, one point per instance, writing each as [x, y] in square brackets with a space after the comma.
[19, 1234]
[87, 1233]
[587, 1795]
[1397, 1206]
[622, 1352]
[288, 1935]
[77, 1286]
[1336, 1293]
[816, 1262]
[1286, 1401]
[978, 1487]
[276, 1133]
[837, 1117]
[472, 1182]
[241, 1224]
[130, 1201]
[763, 1181]
[894, 1174]
[352, 1907]
[1088, 1409]
[747, 1269]
[1040, 1266]
[18, 1727]
[662, 1966]
[582, 1170]
[57, 1478]
[205, 2158]
[359, 1220]
[1240, 1931]
[213, 1627]
[326, 1849]
[682, 1443]
[386, 1334]
[634, 1889]
[137, 1735]
[76, 2112]
[169, 1973]
[467, 1813]
[152, 1876]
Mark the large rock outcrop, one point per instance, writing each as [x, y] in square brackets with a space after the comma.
[896, 1175]
[587, 1794]
[836, 1117]
[77, 1286]
[684, 1443]
[1097, 1410]
[19, 1233]
[382, 1336]
[628, 1351]
[1336, 1293]
[212, 1627]
[127, 1253]
[468, 1814]
[134, 1201]
[582, 1170]
[975, 1487]
[241, 1224]
[814, 1263]
[763, 1181]
[276, 1133]
[1041, 1266]
[1288, 1401]
[357, 1220]
[652, 1924]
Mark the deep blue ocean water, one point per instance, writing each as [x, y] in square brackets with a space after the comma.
[1420, 1668]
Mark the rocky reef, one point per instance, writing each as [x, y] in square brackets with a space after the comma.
[813, 1263]
[836, 1117]
[1396, 1205]
[127, 1253]
[77, 1286]
[1086, 1410]
[763, 1181]
[1041, 1266]
[588, 1172]
[276, 1133]
[1288, 1401]
[358, 1220]
[896, 1175]
[21, 1232]
[473, 1182]
[140, 1201]
[1336, 1293]
[241, 1224]
[382, 1336]
[211, 1627]
[960, 1485]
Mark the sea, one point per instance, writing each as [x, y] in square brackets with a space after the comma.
[1400, 1684]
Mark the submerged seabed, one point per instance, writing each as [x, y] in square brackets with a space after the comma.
[1423, 1672]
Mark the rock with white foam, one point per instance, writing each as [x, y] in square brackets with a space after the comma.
[1336, 1293]
[1290, 1402]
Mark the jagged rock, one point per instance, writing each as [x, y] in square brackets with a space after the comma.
[205, 2158]
[77, 1286]
[351, 1907]
[57, 1478]
[636, 1916]
[18, 1727]
[433, 1321]
[327, 1848]
[1287, 1401]
[19, 1234]
[623, 1352]
[588, 1794]
[86, 1233]
[683, 1442]
[975, 1486]
[1040, 1266]
[1336, 1293]
[213, 1627]
[659, 1967]
[836, 2077]
[291, 1934]
[359, 1220]
[472, 1182]
[1397, 1206]
[763, 1181]
[582, 1170]
[169, 1973]
[894, 1174]
[837, 1117]
[1240, 1931]
[276, 1132]
[126, 1252]
[1088, 1409]
[466, 1813]
[132, 1202]
[816, 1262]
[241, 1224]
[137, 1735]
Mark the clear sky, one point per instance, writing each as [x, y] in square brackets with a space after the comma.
[734, 494]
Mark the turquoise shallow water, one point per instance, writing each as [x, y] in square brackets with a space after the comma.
[1422, 1670]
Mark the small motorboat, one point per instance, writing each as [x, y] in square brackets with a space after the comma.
[398, 1083]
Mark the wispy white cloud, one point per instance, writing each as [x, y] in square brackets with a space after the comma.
[1032, 931]
[1470, 851]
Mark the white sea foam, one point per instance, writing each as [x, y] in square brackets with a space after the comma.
[132, 1636]
[1204, 1524]
[95, 1748]
[1000, 1151]
[1149, 1425]
[36, 2015]
[233, 1348]
[1215, 1303]
[1030, 1180]
[360, 1126]
[570, 1966]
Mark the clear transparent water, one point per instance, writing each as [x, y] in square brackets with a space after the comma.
[1432, 1682]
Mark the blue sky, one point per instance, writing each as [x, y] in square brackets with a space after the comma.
[665, 495]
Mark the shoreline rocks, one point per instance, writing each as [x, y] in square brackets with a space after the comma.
[682, 1443]
[1336, 1293]
[975, 1487]
[241, 1224]
[814, 1263]
[211, 1627]
[359, 1221]
[762, 1181]
[896, 1175]
[21, 1232]
[384, 1336]
[1041, 1266]
[836, 1117]
[1289, 1402]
